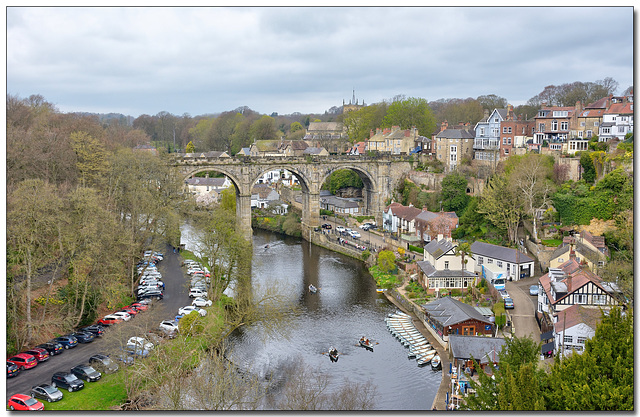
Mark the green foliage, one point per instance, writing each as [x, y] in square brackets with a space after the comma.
[106, 394]
[410, 112]
[365, 254]
[416, 249]
[228, 199]
[191, 324]
[589, 171]
[552, 243]
[342, 178]
[190, 148]
[384, 279]
[324, 212]
[386, 261]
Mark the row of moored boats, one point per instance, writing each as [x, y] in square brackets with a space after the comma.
[401, 326]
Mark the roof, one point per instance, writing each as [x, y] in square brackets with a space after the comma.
[481, 348]
[499, 252]
[262, 191]
[407, 213]
[571, 277]
[448, 311]
[457, 134]
[296, 145]
[338, 202]
[620, 108]
[575, 315]
[431, 272]
[324, 126]
[437, 248]
[313, 151]
[599, 104]
[211, 182]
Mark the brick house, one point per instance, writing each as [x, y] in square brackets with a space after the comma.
[429, 225]
[514, 133]
[553, 125]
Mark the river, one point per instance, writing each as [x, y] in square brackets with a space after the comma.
[345, 308]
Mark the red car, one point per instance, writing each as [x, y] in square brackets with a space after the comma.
[140, 307]
[40, 354]
[24, 402]
[23, 361]
[130, 310]
[109, 320]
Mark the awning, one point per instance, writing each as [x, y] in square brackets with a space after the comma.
[547, 335]
[547, 347]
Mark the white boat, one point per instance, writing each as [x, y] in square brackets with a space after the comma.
[312, 289]
[436, 363]
[425, 360]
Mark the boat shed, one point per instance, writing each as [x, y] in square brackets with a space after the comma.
[448, 316]
[484, 350]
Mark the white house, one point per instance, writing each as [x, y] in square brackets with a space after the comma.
[339, 204]
[514, 263]
[201, 186]
[443, 269]
[573, 327]
[262, 195]
[397, 218]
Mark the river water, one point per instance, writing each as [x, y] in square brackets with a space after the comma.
[345, 308]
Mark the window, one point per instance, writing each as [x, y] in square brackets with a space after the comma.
[480, 260]
[504, 141]
[564, 125]
[489, 261]
[580, 134]
[581, 298]
[621, 129]
[504, 129]
[446, 264]
[506, 151]
[482, 131]
[589, 133]
[596, 123]
[581, 340]
[541, 127]
[509, 140]
[568, 339]
[606, 130]
[499, 263]
[600, 299]
[582, 124]
[554, 125]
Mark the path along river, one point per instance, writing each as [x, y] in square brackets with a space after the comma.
[345, 308]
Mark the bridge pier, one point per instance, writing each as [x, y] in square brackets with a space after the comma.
[243, 215]
[310, 216]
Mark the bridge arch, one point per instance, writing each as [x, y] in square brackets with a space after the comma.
[370, 191]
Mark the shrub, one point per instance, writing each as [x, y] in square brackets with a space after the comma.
[416, 249]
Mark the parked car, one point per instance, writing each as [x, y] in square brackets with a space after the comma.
[169, 327]
[84, 337]
[508, 303]
[95, 329]
[140, 306]
[46, 392]
[340, 229]
[24, 402]
[109, 320]
[326, 226]
[130, 311]
[190, 309]
[354, 234]
[23, 361]
[67, 341]
[533, 290]
[12, 369]
[53, 347]
[197, 292]
[86, 372]
[365, 226]
[67, 380]
[135, 350]
[103, 363]
[124, 316]
[504, 294]
[201, 302]
[151, 295]
[40, 354]
[140, 341]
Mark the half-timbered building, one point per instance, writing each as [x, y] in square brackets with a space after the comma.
[571, 284]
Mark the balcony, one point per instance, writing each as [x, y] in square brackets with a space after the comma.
[488, 144]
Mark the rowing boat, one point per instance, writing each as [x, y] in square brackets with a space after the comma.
[425, 360]
[436, 363]
[366, 343]
[312, 289]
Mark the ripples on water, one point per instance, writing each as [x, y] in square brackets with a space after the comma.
[345, 308]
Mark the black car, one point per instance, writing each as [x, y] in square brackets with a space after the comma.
[46, 392]
[12, 369]
[53, 347]
[67, 380]
[83, 337]
[326, 226]
[103, 363]
[154, 294]
[68, 341]
[86, 372]
[96, 329]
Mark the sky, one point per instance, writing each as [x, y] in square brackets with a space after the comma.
[206, 60]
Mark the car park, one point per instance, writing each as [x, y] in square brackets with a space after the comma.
[121, 314]
[169, 327]
[86, 372]
[53, 347]
[197, 292]
[533, 290]
[135, 350]
[40, 354]
[67, 341]
[201, 302]
[24, 402]
[12, 370]
[46, 392]
[67, 380]
[354, 234]
[140, 341]
[508, 303]
[95, 329]
[84, 337]
[103, 363]
[151, 295]
[340, 229]
[190, 309]
[23, 361]
[109, 320]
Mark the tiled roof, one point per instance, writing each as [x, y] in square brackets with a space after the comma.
[448, 311]
[437, 248]
[313, 151]
[481, 348]
[499, 252]
[574, 278]
[324, 126]
[212, 182]
[620, 108]
[599, 104]
[577, 314]
[457, 134]
[407, 213]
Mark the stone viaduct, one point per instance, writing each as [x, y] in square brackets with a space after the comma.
[380, 176]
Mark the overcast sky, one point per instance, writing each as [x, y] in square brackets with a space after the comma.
[305, 59]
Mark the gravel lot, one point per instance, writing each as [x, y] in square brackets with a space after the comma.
[175, 296]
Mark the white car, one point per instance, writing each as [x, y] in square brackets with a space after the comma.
[169, 327]
[190, 309]
[122, 315]
[197, 292]
[201, 302]
[340, 229]
[504, 294]
[140, 342]
[354, 234]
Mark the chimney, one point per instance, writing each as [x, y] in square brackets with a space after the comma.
[444, 126]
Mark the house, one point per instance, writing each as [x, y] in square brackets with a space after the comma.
[447, 316]
[262, 195]
[452, 144]
[329, 135]
[443, 269]
[200, 185]
[400, 219]
[244, 152]
[514, 133]
[293, 147]
[146, 147]
[313, 151]
[617, 120]
[423, 145]
[393, 140]
[465, 349]
[584, 248]
[358, 149]
[339, 204]
[214, 155]
[429, 225]
[486, 144]
[278, 207]
[572, 328]
[569, 285]
[514, 263]
[553, 125]
[263, 148]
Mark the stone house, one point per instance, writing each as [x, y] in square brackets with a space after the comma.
[514, 263]
[443, 269]
[393, 140]
[452, 144]
[328, 135]
[264, 148]
[585, 248]
[293, 147]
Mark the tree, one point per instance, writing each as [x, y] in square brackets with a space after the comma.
[408, 113]
[190, 148]
[463, 250]
[492, 101]
[386, 261]
[501, 204]
[343, 178]
[454, 192]
[359, 123]
[263, 129]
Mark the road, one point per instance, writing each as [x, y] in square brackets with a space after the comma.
[371, 239]
[523, 314]
[176, 295]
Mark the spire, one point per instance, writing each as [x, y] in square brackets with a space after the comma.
[354, 96]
